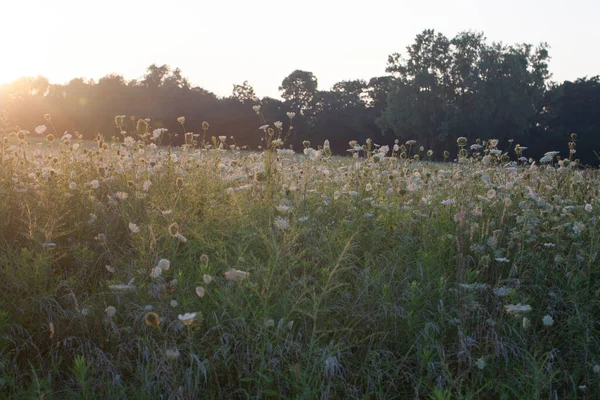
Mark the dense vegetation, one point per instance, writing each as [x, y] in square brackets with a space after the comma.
[163, 260]
[439, 89]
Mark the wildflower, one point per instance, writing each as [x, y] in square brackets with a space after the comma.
[502, 291]
[291, 115]
[174, 229]
[173, 303]
[278, 124]
[205, 125]
[156, 272]
[85, 311]
[47, 117]
[236, 275]
[121, 196]
[181, 120]
[517, 308]
[282, 209]
[152, 319]
[256, 108]
[281, 223]
[588, 208]
[50, 138]
[204, 259]
[187, 318]
[461, 141]
[480, 363]
[207, 279]
[164, 264]
[263, 127]
[200, 292]
[40, 129]
[110, 311]
[547, 320]
[94, 184]
[222, 138]
[134, 228]
[172, 354]
[121, 287]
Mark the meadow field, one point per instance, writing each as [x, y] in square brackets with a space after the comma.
[131, 269]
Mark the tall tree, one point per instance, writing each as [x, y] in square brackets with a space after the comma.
[299, 90]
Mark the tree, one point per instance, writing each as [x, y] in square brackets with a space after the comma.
[299, 90]
[244, 93]
[155, 76]
[445, 88]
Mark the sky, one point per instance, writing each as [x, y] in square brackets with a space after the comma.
[222, 42]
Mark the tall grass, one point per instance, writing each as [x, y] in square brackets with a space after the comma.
[302, 275]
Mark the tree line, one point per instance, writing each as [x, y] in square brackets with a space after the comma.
[439, 89]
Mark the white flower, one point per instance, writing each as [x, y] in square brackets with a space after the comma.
[200, 292]
[164, 264]
[588, 208]
[187, 318]
[121, 196]
[147, 185]
[222, 138]
[547, 320]
[207, 279]
[95, 184]
[291, 115]
[281, 223]
[181, 120]
[235, 275]
[263, 127]
[156, 272]
[517, 308]
[121, 287]
[133, 228]
[173, 303]
[40, 129]
[502, 291]
[157, 132]
[278, 124]
[256, 108]
[172, 354]
[480, 363]
[110, 311]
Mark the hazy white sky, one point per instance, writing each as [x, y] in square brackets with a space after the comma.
[220, 42]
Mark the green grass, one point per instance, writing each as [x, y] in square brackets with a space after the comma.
[369, 278]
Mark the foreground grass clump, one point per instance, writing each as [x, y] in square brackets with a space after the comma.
[135, 271]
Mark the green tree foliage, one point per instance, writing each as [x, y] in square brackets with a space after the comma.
[244, 93]
[572, 107]
[299, 90]
[446, 88]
